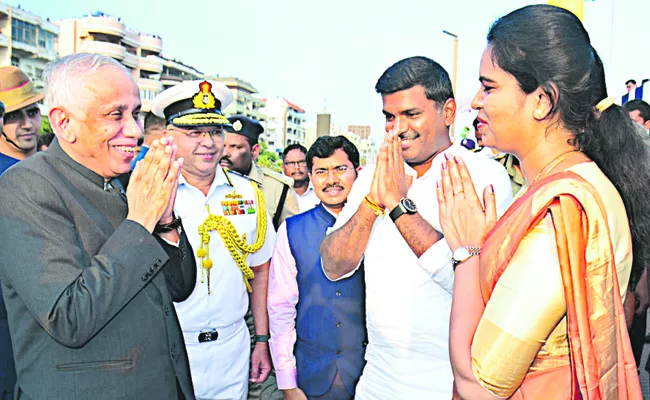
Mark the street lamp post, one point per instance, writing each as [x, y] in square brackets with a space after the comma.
[454, 74]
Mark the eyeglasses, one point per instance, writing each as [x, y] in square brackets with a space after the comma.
[338, 171]
[295, 164]
[199, 134]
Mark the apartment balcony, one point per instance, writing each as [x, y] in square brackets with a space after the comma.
[173, 65]
[50, 27]
[108, 49]
[45, 54]
[4, 40]
[105, 25]
[150, 84]
[151, 64]
[130, 60]
[131, 38]
[170, 80]
[151, 43]
[24, 47]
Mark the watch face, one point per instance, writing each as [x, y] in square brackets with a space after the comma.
[461, 254]
[409, 205]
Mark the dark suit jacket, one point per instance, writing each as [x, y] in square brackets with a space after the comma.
[90, 312]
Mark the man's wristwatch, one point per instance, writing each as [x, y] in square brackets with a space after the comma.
[163, 228]
[262, 338]
[405, 206]
[463, 254]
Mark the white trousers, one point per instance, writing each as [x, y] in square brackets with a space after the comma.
[220, 369]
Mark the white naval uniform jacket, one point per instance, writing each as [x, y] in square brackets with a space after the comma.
[220, 368]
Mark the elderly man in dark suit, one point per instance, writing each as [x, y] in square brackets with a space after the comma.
[90, 271]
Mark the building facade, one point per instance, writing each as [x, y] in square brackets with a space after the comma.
[175, 72]
[323, 124]
[368, 151]
[362, 130]
[367, 148]
[244, 101]
[27, 41]
[99, 33]
[284, 124]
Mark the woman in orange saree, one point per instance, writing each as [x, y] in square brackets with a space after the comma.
[538, 314]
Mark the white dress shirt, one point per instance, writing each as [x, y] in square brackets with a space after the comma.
[308, 200]
[408, 300]
[219, 368]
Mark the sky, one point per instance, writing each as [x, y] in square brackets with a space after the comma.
[328, 55]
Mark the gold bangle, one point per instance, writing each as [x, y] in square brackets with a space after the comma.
[376, 208]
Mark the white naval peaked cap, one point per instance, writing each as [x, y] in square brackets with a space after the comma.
[193, 103]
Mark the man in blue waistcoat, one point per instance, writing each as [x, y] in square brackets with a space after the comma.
[318, 343]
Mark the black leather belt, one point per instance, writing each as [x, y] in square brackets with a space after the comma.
[208, 336]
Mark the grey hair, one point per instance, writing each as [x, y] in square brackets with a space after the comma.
[65, 78]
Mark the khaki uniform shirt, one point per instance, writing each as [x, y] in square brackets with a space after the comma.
[272, 185]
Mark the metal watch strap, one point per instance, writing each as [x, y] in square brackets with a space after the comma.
[473, 251]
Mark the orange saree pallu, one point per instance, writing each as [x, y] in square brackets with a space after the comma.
[600, 358]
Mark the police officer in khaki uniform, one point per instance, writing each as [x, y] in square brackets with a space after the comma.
[241, 152]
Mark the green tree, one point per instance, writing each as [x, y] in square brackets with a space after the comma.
[269, 159]
[45, 125]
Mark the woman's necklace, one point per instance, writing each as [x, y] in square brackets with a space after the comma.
[544, 171]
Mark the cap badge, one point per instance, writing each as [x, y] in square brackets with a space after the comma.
[237, 126]
[204, 99]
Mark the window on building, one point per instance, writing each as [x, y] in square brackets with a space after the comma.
[15, 62]
[23, 32]
[46, 40]
[147, 94]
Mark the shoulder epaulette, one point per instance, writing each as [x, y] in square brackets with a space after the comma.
[229, 171]
[285, 180]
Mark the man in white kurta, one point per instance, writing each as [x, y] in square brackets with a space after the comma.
[408, 299]
[391, 223]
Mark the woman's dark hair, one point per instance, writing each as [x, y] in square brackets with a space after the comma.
[325, 146]
[547, 47]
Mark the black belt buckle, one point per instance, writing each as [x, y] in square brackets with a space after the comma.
[208, 336]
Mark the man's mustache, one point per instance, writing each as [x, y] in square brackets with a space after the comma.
[409, 136]
[335, 186]
[226, 160]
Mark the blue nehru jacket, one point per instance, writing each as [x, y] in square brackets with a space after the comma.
[330, 325]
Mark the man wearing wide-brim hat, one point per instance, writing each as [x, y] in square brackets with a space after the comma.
[21, 117]
[226, 219]
[18, 140]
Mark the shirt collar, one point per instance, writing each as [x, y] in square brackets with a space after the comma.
[55, 150]
[309, 190]
[220, 179]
